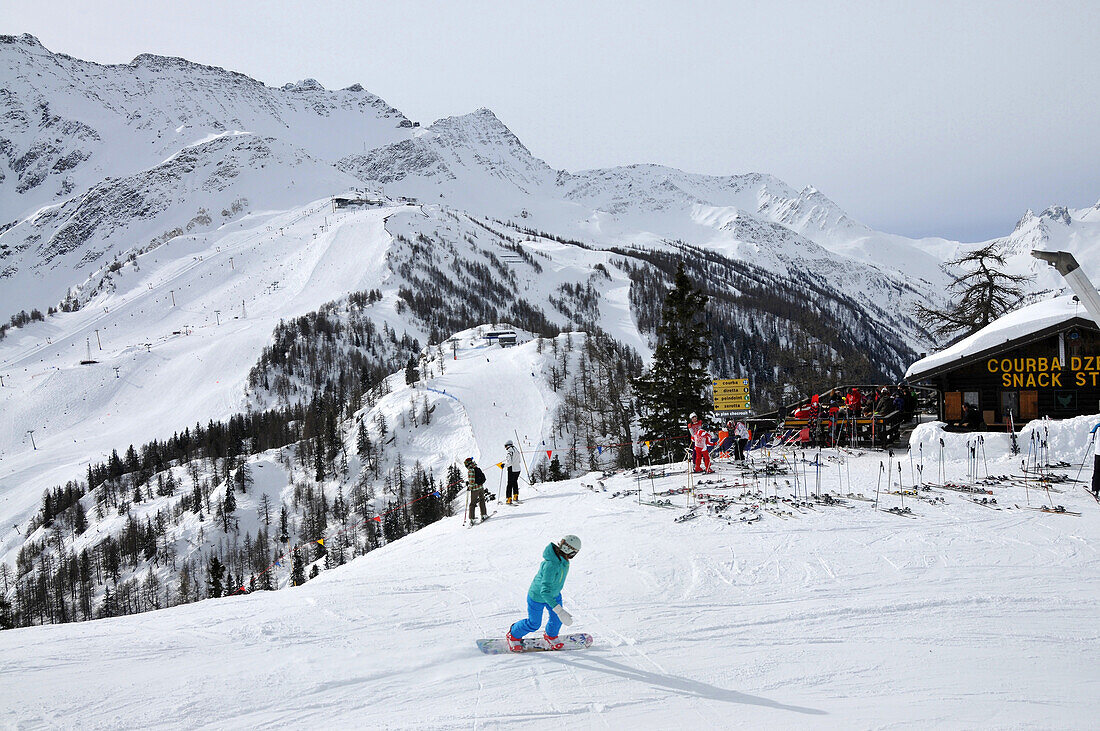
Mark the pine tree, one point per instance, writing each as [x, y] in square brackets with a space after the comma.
[412, 373]
[229, 506]
[318, 463]
[284, 525]
[80, 519]
[7, 616]
[266, 581]
[110, 606]
[674, 386]
[556, 472]
[243, 478]
[363, 446]
[216, 571]
[297, 570]
[455, 483]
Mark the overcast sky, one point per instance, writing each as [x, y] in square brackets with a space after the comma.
[920, 118]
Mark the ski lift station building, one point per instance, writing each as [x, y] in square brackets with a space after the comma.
[1040, 360]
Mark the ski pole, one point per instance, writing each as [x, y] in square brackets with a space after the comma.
[466, 510]
[848, 469]
[889, 467]
[1027, 495]
[985, 459]
[817, 473]
[901, 487]
[878, 484]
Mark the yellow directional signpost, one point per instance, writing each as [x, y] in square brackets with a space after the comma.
[731, 396]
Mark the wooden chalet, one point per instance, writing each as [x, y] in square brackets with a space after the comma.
[1040, 360]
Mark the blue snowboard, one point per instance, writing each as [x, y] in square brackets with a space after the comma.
[499, 645]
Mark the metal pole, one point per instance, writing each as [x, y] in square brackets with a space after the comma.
[518, 443]
[878, 484]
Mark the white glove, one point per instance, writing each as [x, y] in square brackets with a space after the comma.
[565, 617]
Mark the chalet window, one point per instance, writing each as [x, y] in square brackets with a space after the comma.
[1010, 404]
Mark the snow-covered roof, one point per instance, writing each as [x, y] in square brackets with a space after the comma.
[1013, 326]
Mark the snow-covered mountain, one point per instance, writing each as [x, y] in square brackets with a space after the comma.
[98, 160]
[1055, 229]
[68, 124]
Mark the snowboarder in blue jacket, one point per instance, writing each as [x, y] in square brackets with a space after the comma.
[545, 595]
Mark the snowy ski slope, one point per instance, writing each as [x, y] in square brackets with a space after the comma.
[179, 363]
[833, 618]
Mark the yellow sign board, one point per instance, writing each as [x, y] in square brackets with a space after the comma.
[731, 394]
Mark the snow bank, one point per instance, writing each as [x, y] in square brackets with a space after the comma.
[1067, 439]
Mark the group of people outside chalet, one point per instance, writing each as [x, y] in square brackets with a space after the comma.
[829, 416]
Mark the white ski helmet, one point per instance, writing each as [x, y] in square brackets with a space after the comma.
[570, 545]
[508, 444]
[693, 416]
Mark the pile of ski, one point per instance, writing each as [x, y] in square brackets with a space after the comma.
[689, 515]
[673, 491]
[960, 487]
[900, 512]
[1055, 510]
[830, 501]
[989, 502]
[658, 503]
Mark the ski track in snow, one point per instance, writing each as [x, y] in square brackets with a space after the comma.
[830, 619]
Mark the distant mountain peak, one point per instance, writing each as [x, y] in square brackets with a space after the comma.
[304, 85]
[1027, 218]
[24, 39]
[1057, 213]
[482, 120]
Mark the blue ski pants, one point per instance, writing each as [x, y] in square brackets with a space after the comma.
[534, 619]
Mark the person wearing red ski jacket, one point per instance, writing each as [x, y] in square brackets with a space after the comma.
[701, 439]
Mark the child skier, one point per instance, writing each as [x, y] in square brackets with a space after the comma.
[545, 595]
